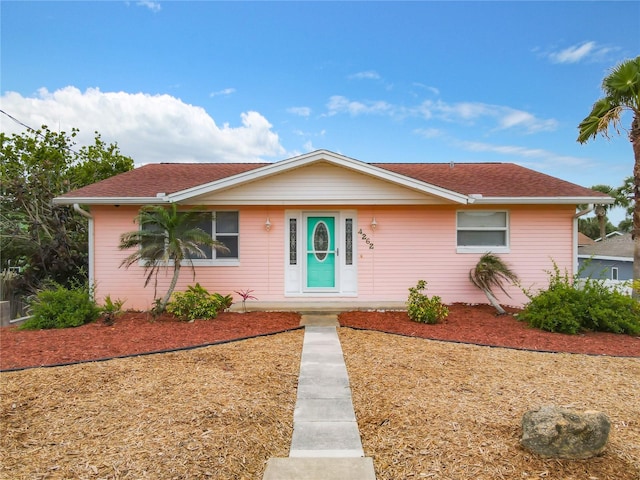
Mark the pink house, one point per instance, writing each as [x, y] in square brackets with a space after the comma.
[324, 230]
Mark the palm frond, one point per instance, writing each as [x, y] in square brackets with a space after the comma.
[491, 272]
[623, 84]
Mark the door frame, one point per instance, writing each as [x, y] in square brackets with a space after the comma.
[295, 255]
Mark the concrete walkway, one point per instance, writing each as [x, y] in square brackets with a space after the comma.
[326, 441]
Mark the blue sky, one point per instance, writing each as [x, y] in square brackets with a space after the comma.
[376, 81]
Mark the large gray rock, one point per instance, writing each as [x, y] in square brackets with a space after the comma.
[556, 432]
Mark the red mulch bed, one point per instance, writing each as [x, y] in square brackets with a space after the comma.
[136, 333]
[479, 324]
[132, 333]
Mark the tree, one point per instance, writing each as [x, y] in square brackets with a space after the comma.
[602, 210]
[166, 237]
[490, 272]
[47, 241]
[621, 93]
[600, 226]
[591, 227]
[625, 196]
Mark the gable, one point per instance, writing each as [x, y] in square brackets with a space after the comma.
[320, 183]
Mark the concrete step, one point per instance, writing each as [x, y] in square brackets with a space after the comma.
[320, 469]
[319, 320]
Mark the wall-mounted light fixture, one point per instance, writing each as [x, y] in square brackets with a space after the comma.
[267, 224]
[374, 224]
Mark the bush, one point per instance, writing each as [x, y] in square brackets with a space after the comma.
[423, 309]
[571, 305]
[61, 307]
[197, 302]
[225, 301]
[111, 310]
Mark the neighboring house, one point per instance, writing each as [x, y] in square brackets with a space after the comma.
[325, 230]
[584, 240]
[610, 259]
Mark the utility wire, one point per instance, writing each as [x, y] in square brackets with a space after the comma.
[16, 120]
[32, 129]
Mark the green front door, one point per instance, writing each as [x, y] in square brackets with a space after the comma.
[321, 252]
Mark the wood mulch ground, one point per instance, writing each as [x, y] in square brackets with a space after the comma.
[132, 333]
[426, 409]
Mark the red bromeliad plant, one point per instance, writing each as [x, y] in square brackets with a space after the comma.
[246, 295]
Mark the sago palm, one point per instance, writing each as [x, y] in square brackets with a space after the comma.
[491, 272]
[166, 237]
[621, 93]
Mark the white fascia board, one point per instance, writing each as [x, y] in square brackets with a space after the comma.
[314, 157]
[606, 257]
[407, 182]
[542, 200]
[110, 200]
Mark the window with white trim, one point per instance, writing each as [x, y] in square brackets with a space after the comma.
[223, 226]
[482, 231]
[614, 273]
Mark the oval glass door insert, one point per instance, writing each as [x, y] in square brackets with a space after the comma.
[320, 241]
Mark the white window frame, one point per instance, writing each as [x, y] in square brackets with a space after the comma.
[614, 273]
[484, 248]
[208, 262]
[215, 261]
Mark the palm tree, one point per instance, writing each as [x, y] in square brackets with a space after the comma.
[602, 210]
[621, 92]
[490, 272]
[166, 236]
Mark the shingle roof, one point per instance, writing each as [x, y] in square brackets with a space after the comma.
[584, 240]
[488, 179]
[615, 246]
[149, 180]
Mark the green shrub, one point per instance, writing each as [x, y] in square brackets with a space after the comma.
[60, 307]
[111, 310]
[423, 309]
[225, 301]
[571, 305]
[197, 302]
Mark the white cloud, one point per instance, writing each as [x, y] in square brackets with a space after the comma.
[339, 104]
[367, 75]
[148, 128]
[580, 52]
[433, 90]
[153, 6]
[542, 156]
[300, 111]
[509, 118]
[572, 54]
[461, 112]
[505, 117]
[225, 91]
[429, 132]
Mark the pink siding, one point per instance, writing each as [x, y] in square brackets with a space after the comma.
[261, 267]
[420, 243]
[410, 243]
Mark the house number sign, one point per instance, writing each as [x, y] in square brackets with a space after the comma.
[366, 239]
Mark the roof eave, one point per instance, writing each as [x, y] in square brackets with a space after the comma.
[598, 256]
[542, 200]
[110, 200]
